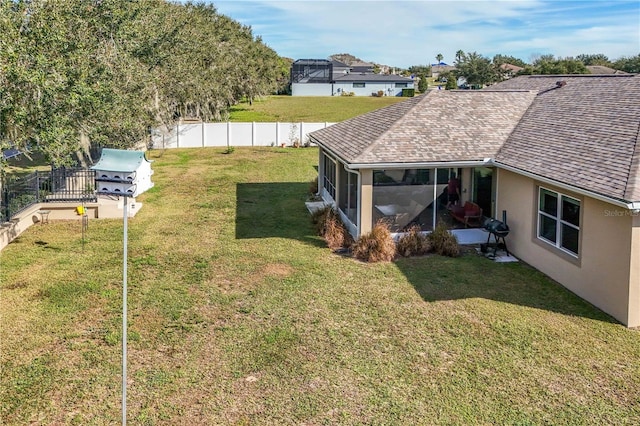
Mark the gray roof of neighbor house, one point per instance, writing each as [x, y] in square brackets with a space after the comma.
[601, 69]
[441, 126]
[584, 132]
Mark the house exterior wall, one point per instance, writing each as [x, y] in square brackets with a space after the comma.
[388, 89]
[311, 89]
[603, 273]
[331, 89]
[634, 280]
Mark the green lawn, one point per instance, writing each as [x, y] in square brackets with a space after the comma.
[238, 314]
[310, 109]
[16, 167]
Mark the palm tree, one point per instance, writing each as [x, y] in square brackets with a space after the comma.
[459, 55]
[439, 57]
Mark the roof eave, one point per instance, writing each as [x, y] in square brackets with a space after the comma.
[420, 164]
[631, 205]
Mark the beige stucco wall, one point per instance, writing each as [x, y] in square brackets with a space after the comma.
[366, 200]
[603, 272]
[634, 280]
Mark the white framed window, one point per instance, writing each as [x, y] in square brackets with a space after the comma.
[559, 220]
[356, 85]
[401, 85]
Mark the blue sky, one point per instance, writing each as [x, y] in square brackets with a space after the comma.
[405, 33]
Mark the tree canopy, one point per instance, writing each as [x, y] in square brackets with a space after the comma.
[549, 65]
[630, 64]
[105, 71]
[476, 69]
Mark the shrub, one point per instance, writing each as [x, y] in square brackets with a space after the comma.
[410, 93]
[329, 226]
[443, 241]
[336, 234]
[376, 246]
[413, 243]
[319, 217]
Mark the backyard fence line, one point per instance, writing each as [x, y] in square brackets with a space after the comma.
[198, 135]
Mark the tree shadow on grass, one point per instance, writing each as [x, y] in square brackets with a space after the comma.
[277, 209]
[438, 278]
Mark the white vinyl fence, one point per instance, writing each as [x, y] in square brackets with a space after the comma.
[198, 135]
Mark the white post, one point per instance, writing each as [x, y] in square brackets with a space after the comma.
[253, 133]
[435, 198]
[277, 133]
[124, 315]
[301, 123]
[203, 134]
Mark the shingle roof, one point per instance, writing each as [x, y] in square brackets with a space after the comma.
[441, 126]
[584, 134]
[601, 69]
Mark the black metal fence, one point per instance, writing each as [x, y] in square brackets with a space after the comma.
[58, 185]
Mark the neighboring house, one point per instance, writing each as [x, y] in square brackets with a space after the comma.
[559, 154]
[367, 84]
[602, 70]
[362, 67]
[340, 68]
[319, 77]
[509, 70]
[440, 68]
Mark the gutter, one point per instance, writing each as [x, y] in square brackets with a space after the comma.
[430, 164]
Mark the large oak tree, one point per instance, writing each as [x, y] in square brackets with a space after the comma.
[80, 72]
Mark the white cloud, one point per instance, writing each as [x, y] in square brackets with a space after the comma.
[404, 33]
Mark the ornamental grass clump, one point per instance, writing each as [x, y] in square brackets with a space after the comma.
[329, 226]
[443, 242]
[413, 243]
[319, 217]
[376, 246]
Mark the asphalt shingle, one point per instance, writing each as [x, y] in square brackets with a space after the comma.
[584, 134]
[440, 126]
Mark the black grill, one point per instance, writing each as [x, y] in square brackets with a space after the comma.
[499, 230]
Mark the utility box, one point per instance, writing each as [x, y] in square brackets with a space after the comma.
[122, 172]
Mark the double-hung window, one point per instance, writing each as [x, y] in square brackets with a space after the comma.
[559, 220]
